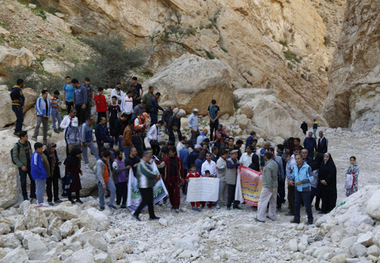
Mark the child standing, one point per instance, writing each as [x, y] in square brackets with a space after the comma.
[55, 112]
[120, 178]
[352, 175]
[193, 174]
[101, 104]
[113, 111]
[39, 173]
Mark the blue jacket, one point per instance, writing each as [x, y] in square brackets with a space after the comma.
[41, 107]
[101, 132]
[184, 155]
[80, 96]
[86, 133]
[302, 174]
[37, 167]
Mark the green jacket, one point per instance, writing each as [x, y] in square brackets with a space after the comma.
[20, 157]
[269, 175]
[145, 175]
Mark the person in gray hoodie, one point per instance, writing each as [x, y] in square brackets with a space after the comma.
[269, 191]
[86, 140]
[104, 180]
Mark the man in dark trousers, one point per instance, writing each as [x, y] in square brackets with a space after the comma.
[21, 156]
[18, 101]
[322, 143]
[213, 113]
[80, 100]
[304, 127]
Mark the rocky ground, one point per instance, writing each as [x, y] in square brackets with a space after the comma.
[81, 233]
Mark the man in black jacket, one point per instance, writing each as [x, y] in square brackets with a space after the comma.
[18, 101]
[154, 107]
[175, 121]
[322, 143]
[166, 116]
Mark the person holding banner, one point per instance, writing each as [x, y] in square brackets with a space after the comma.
[269, 191]
[146, 177]
[193, 174]
[231, 175]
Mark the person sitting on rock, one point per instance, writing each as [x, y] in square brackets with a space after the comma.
[102, 134]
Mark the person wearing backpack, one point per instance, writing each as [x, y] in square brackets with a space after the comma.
[21, 154]
[104, 180]
[120, 178]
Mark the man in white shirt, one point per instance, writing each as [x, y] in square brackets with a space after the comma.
[127, 104]
[208, 165]
[246, 158]
[193, 124]
[118, 93]
[153, 137]
[181, 144]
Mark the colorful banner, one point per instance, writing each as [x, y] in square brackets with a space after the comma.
[203, 189]
[134, 196]
[248, 186]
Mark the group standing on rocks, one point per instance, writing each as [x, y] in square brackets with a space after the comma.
[128, 123]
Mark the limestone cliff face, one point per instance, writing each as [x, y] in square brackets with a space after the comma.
[278, 44]
[354, 80]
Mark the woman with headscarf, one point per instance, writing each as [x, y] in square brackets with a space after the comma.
[54, 163]
[327, 178]
[72, 170]
[352, 174]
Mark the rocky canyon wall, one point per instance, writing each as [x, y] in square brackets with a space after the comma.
[279, 45]
[354, 79]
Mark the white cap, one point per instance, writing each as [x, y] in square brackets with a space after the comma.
[197, 146]
[195, 110]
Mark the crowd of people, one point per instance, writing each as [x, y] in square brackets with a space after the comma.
[127, 132]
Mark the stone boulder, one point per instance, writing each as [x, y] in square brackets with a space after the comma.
[268, 113]
[373, 205]
[7, 116]
[15, 256]
[354, 77]
[192, 82]
[53, 67]
[11, 57]
[4, 32]
[9, 176]
[58, 22]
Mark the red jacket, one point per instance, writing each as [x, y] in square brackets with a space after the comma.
[190, 174]
[179, 168]
[101, 103]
